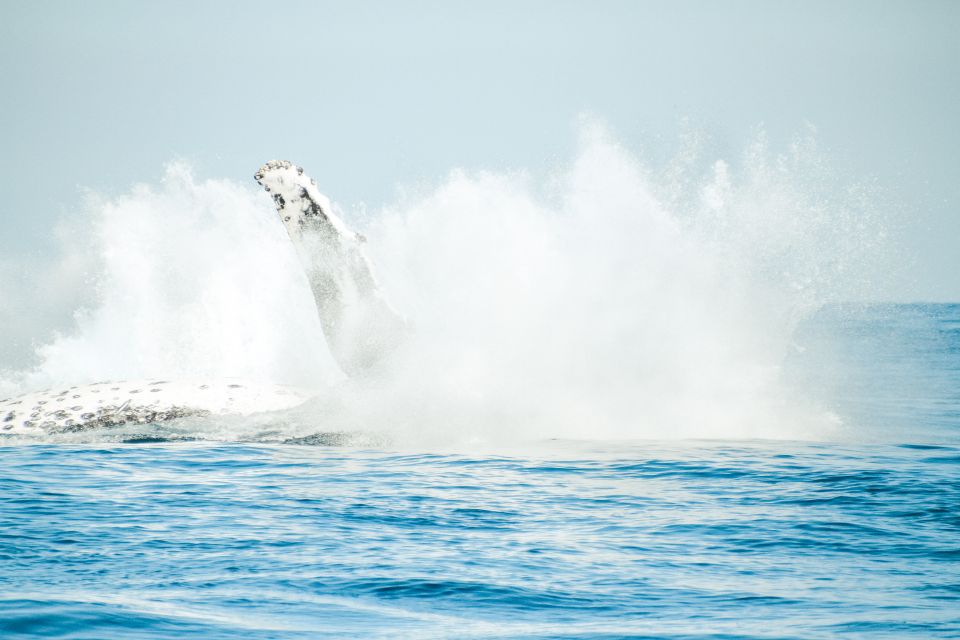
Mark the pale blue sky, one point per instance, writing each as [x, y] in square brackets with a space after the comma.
[371, 95]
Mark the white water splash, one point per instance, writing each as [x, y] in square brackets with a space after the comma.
[612, 303]
[189, 280]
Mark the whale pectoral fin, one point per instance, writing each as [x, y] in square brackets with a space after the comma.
[360, 326]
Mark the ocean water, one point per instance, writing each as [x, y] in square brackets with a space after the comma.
[857, 537]
[633, 403]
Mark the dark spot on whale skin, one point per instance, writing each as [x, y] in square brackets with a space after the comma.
[153, 384]
[10, 417]
[41, 402]
[7, 427]
[235, 386]
[75, 397]
[88, 416]
[61, 399]
[204, 386]
[49, 424]
[155, 390]
[94, 390]
[29, 424]
[114, 388]
[76, 408]
[135, 391]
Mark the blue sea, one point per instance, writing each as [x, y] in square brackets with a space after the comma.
[854, 537]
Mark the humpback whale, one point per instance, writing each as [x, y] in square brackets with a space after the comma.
[360, 326]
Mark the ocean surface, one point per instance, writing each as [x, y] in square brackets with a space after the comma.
[855, 536]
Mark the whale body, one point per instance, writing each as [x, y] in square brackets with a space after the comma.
[114, 404]
[360, 326]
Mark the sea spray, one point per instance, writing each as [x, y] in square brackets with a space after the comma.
[192, 279]
[619, 306]
[613, 302]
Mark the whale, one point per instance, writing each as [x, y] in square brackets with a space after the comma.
[360, 326]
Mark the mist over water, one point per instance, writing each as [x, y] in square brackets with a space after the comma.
[614, 300]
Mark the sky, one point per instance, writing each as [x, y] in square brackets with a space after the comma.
[375, 96]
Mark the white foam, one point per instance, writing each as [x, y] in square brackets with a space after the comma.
[615, 303]
[193, 280]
